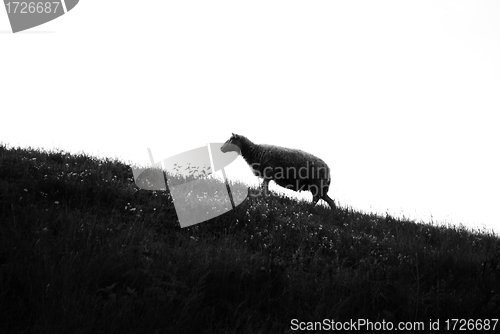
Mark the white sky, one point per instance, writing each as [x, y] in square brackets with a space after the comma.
[400, 98]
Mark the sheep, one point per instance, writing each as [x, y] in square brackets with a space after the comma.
[285, 166]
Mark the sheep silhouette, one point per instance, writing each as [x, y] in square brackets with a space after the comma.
[289, 168]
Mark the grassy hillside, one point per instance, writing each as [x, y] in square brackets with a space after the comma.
[83, 250]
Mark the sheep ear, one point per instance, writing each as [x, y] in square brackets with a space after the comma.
[233, 134]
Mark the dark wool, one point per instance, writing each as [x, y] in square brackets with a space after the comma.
[290, 168]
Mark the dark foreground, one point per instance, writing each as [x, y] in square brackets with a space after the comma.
[82, 250]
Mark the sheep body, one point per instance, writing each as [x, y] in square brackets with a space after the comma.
[290, 168]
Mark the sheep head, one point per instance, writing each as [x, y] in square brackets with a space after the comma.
[233, 144]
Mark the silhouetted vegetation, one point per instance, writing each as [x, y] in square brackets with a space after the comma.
[83, 250]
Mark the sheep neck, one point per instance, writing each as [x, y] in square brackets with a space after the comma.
[249, 151]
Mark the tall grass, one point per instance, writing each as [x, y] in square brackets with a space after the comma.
[83, 250]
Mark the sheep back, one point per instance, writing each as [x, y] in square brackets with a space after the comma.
[290, 168]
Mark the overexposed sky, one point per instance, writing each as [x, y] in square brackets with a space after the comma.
[400, 98]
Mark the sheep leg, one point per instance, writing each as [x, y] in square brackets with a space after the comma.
[328, 200]
[265, 186]
[325, 197]
[315, 199]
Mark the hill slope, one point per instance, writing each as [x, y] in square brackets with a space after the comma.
[83, 250]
